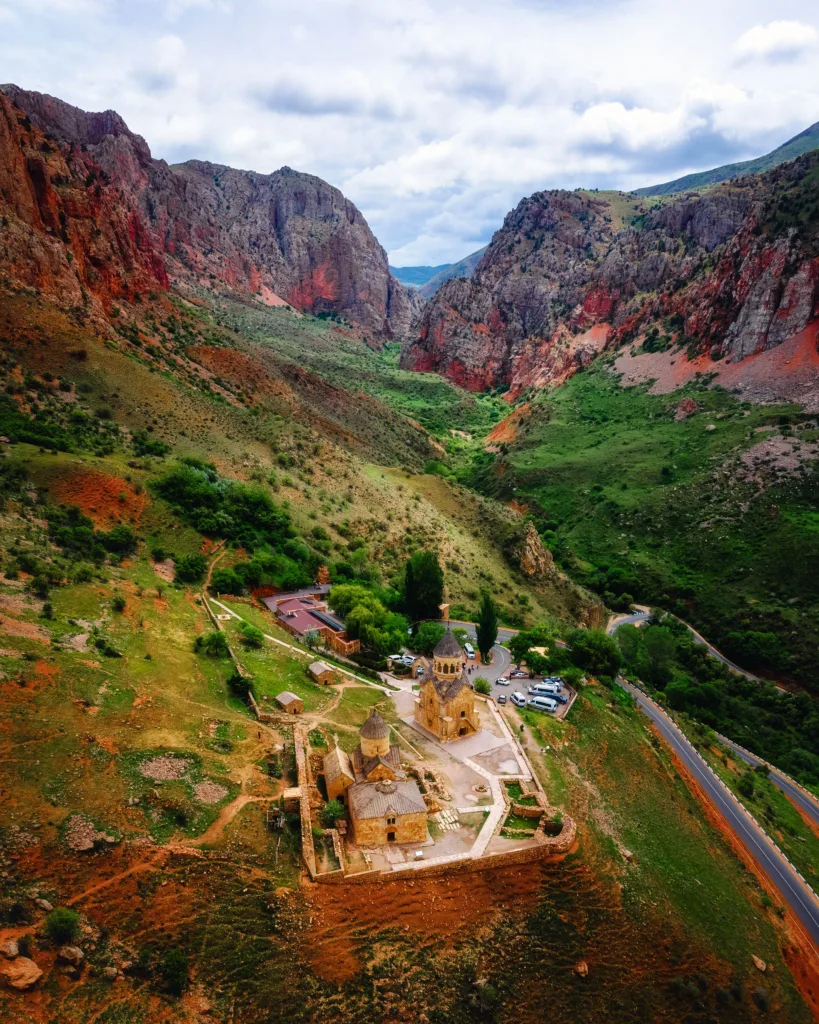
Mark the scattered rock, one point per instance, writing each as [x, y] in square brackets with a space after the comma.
[44, 905]
[581, 968]
[627, 855]
[71, 954]
[166, 768]
[759, 964]
[209, 792]
[685, 407]
[82, 834]
[20, 973]
[10, 949]
[110, 973]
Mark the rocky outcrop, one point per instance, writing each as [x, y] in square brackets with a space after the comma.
[535, 561]
[732, 271]
[75, 177]
[20, 973]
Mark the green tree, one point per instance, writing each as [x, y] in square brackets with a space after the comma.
[461, 635]
[595, 651]
[239, 685]
[537, 636]
[427, 636]
[483, 686]
[213, 644]
[423, 586]
[62, 924]
[331, 812]
[660, 648]
[487, 628]
[189, 568]
[227, 581]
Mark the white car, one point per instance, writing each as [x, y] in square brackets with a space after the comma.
[518, 674]
[503, 681]
[519, 699]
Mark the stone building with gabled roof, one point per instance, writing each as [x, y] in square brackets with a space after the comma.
[446, 701]
[384, 805]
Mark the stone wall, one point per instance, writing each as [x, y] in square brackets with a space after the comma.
[308, 850]
[527, 810]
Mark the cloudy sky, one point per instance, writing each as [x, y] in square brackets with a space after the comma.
[434, 116]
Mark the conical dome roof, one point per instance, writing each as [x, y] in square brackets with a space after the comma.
[447, 646]
[375, 728]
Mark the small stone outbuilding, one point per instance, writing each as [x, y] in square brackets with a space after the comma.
[338, 773]
[323, 673]
[290, 703]
[387, 812]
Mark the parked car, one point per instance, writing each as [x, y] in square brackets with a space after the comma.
[560, 698]
[501, 698]
[469, 650]
[543, 690]
[503, 681]
[542, 704]
[519, 699]
[518, 674]
[420, 670]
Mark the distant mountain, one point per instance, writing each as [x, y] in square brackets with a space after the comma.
[463, 268]
[414, 277]
[804, 142]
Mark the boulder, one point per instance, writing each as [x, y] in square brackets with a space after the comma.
[110, 973]
[44, 905]
[71, 954]
[581, 968]
[10, 949]
[20, 973]
[759, 964]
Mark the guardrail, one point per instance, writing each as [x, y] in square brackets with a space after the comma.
[727, 789]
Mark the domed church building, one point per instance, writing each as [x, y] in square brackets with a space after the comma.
[446, 702]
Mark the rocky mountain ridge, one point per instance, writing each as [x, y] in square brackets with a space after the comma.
[729, 272]
[72, 178]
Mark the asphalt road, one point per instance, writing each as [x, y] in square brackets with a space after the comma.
[809, 804]
[791, 888]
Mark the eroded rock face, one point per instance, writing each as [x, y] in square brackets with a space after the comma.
[535, 561]
[733, 271]
[91, 211]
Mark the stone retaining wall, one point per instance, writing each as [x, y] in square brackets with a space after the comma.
[527, 810]
[308, 850]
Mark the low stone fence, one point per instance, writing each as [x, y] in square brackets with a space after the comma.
[527, 810]
[547, 846]
[308, 850]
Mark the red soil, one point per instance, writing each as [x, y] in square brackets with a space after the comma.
[788, 372]
[507, 429]
[345, 916]
[105, 499]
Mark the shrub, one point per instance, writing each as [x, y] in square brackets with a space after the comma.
[62, 924]
[118, 603]
[227, 581]
[174, 970]
[483, 686]
[213, 644]
[251, 636]
[330, 813]
[241, 686]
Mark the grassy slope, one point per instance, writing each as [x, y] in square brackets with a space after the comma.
[626, 485]
[75, 726]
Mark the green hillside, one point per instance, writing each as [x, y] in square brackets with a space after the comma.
[414, 277]
[804, 142]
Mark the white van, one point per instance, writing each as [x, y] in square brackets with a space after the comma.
[542, 704]
[469, 650]
[518, 699]
[543, 690]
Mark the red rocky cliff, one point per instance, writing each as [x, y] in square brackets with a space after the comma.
[283, 237]
[731, 271]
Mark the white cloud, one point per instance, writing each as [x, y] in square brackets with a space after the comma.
[778, 40]
[435, 117]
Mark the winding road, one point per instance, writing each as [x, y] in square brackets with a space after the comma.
[793, 890]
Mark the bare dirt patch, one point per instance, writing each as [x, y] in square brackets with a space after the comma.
[105, 499]
[774, 459]
[789, 372]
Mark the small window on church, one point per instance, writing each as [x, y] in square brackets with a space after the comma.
[390, 821]
[463, 714]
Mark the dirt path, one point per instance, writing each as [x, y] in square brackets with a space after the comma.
[226, 816]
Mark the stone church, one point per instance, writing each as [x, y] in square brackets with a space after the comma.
[384, 805]
[446, 702]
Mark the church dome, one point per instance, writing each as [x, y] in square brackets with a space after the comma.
[447, 646]
[375, 728]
